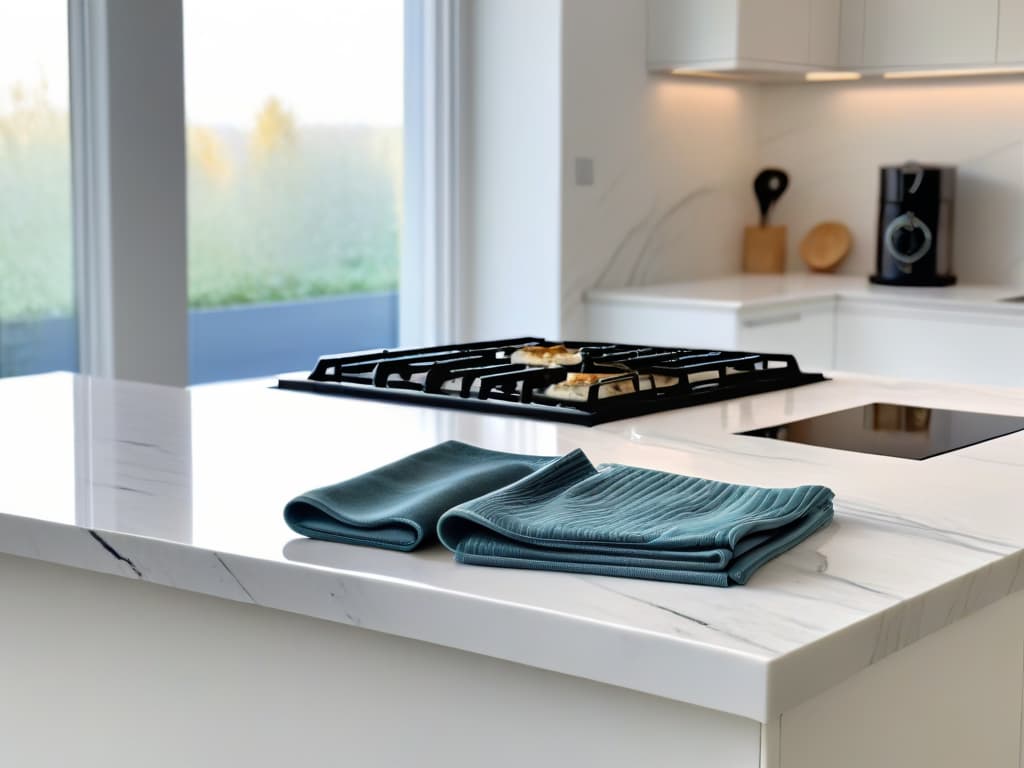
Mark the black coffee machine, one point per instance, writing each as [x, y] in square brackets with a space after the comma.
[915, 225]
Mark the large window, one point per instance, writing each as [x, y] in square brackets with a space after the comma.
[37, 326]
[294, 134]
[320, 164]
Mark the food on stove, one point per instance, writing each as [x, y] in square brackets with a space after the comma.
[576, 386]
[557, 354]
[712, 375]
[702, 376]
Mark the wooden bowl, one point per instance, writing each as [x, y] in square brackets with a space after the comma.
[825, 246]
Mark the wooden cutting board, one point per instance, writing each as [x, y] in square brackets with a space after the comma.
[825, 246]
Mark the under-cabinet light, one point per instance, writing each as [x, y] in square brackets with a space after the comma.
[922, 73]
[826, 76]
[708, 74]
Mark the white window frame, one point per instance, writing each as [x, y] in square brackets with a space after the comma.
[129, 183]
[128, 188]
[433, 264]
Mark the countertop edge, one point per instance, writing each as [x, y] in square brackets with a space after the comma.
[627, 296]
[695, 645]
[744, 685]
[799, 676]
[653, 665]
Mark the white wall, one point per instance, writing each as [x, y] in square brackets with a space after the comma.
[673, 162]
[515, 184]
[832, 138]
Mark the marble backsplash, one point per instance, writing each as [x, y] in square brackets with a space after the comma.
[674, 160]
[675, 211]
[832, 138]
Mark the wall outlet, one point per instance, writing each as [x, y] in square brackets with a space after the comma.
[584, 167]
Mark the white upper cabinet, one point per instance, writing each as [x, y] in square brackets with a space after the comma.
[823, 29]
[743, 35]
[1011, 32]
[766, 39]
[929, 33]
[774, 31]
[851, 34]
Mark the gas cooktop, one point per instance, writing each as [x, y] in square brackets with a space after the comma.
[579, 382]
[904, 431]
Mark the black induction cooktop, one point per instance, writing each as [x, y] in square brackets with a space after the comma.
[905, 431]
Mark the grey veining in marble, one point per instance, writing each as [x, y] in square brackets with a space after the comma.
[186, 489]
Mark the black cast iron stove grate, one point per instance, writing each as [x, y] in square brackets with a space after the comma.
[481, 377]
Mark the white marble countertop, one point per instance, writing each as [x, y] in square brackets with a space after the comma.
[762, 291]
[185, 489]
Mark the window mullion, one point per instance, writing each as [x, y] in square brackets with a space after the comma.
[429, 297]
[90, 185]
[128, 188]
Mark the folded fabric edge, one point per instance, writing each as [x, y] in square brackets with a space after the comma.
[701, 578]
[485, 543]
[297, 515]
[453, 523]
[743, 567]
[568, 560]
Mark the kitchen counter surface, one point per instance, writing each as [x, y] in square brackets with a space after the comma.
[185, 489]
[750, 290]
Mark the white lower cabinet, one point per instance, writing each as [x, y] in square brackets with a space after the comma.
[804, 329]
[884, 338]
[663, 325]
[945, 345]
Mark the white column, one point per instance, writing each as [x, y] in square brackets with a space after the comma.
[128, 145]
[430, 294]
[515, 196]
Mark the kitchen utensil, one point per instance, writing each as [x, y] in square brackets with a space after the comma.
[825, 246]
[769, 185]
[764, 250]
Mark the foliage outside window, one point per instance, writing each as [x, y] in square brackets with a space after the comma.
[297, 193]
[35, 203]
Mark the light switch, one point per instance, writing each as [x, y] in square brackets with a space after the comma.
[584, 171]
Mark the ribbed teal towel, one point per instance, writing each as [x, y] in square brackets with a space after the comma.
[397, 506]
[626, 521]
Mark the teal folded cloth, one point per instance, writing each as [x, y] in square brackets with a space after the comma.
[397, 506]
[617, 520]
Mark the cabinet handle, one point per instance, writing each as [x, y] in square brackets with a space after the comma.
[754, 322]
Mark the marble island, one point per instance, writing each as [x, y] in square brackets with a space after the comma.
[907, 611]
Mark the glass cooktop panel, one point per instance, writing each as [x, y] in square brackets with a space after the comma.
[905, 431]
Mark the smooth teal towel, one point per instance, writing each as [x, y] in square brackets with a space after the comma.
[397, 506]
[626, 521]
